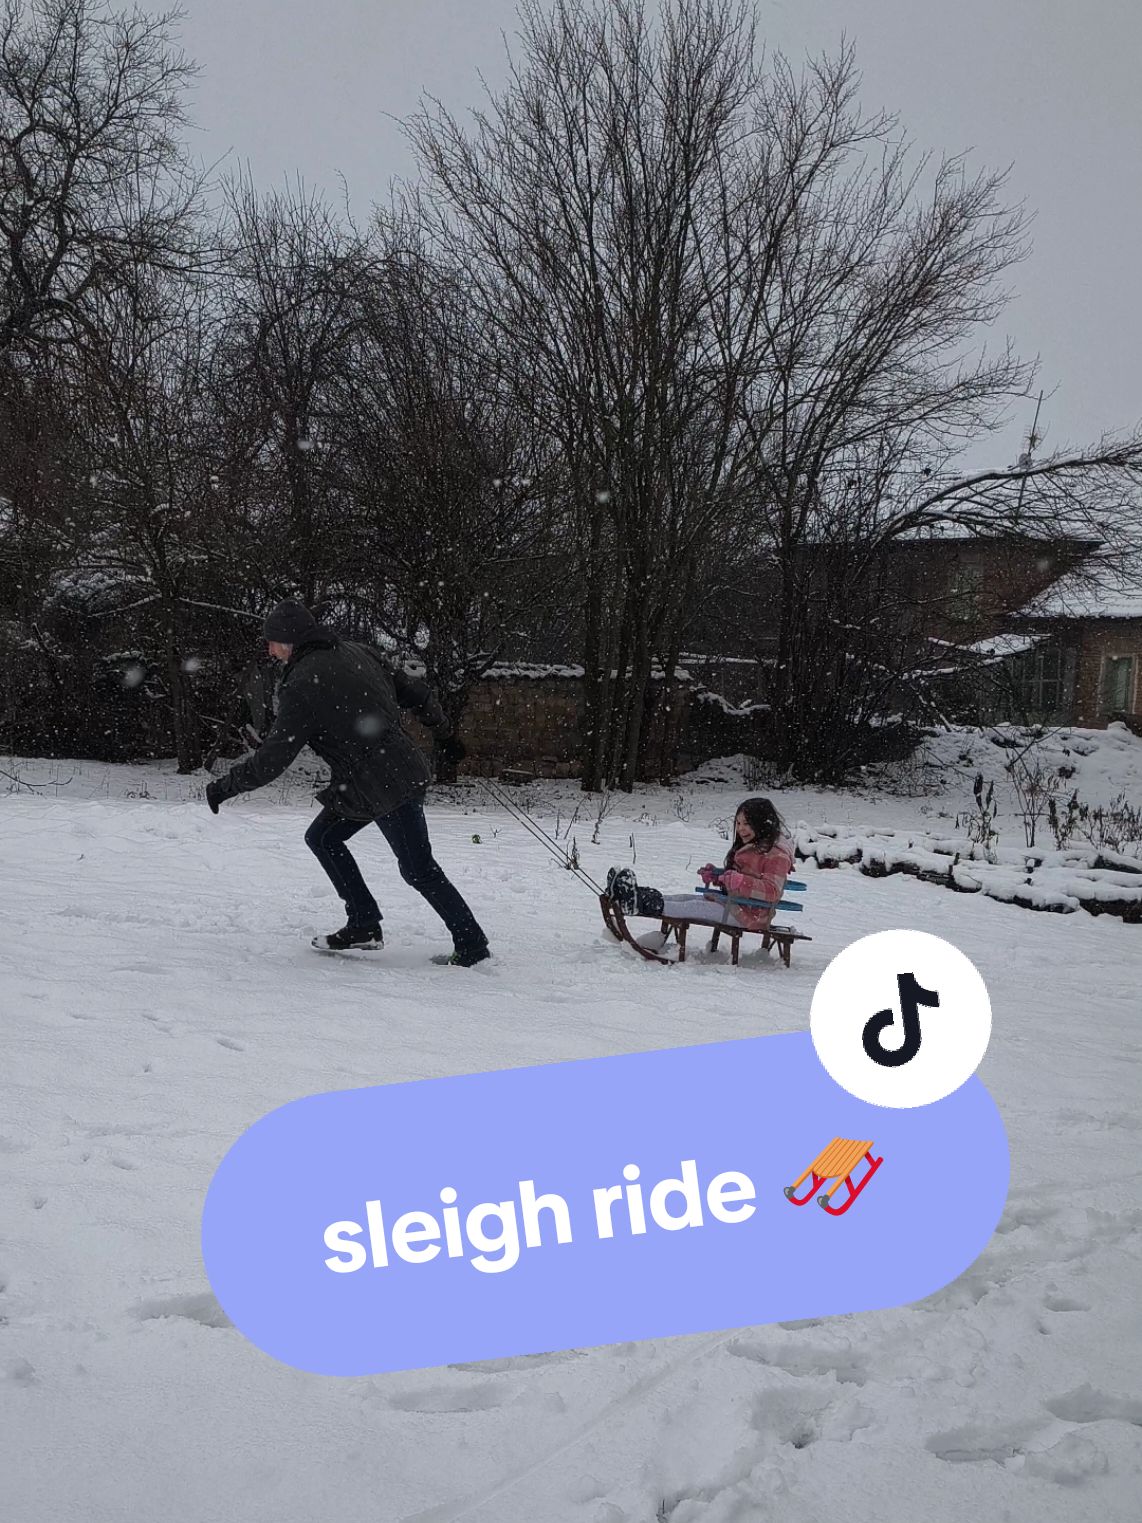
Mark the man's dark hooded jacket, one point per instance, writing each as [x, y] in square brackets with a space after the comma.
[344, 701]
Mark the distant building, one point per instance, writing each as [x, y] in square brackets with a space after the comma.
[1086, 663]
[1065, 651]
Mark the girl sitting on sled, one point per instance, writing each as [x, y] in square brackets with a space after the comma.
[756, 867]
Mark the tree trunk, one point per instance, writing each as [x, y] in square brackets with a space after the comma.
[786, 676]
[453, 701]
[187, 739]
[596, 665]
[670, 703]
[639, 681]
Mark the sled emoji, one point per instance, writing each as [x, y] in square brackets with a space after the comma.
[837, 1163]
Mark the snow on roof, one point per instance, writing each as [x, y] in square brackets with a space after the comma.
[1000, 647]
[536, 671]
[1049, 529]
[1092, 591]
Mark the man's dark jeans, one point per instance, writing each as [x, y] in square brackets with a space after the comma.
[406, 831]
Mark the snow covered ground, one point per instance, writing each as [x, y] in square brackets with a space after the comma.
[158, 995]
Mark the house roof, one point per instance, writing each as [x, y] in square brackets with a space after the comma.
[1073, 532]
[1095, 590]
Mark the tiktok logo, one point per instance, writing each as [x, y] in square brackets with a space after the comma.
[935, 1054]
[912, 996]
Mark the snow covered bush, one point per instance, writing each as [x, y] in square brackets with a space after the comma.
[979, 823]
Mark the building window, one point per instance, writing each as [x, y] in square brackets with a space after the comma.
[1044, 681]
[965, 594]
[1117, 684]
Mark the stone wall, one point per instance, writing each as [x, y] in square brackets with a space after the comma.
[535, 723]
[529, 722]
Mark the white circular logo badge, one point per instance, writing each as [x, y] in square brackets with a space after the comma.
[900, 1018]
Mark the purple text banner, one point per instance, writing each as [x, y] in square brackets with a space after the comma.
[601, 1201]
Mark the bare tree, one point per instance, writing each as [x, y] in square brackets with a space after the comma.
[884, 273]
[456, 551]
[598, 202]
[141, 535]
[94, 177]
[296, 283]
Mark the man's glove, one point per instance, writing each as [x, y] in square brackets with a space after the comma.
[215, 793]
[452, 749]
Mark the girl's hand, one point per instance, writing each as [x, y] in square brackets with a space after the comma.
[709, 874]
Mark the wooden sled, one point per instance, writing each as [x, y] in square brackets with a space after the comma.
[781, 936]
[837, 1163]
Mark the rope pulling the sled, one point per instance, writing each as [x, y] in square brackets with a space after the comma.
[538, 833]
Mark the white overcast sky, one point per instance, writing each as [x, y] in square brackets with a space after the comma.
[1052, 88]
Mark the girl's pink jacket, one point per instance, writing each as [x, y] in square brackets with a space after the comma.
[758, 874]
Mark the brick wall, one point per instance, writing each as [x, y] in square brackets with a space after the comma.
[970, 586]
[1098, 640]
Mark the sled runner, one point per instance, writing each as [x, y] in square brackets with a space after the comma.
[837, 1163]
[781, 936]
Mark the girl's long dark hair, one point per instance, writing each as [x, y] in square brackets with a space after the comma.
[765, 822]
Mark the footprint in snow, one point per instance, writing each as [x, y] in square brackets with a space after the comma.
[515, 1364]
[447, 1398]
[975, 1443]
[1086, 1405]
[1069, 1462]
[230, 1044]
[1055, 1301]
[846, 1367]
[802, 1416]
[201, 1308]
[1025, 1214]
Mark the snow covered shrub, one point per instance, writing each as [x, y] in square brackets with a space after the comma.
[1035, 786]
[756, 773]
[606, 804]
[1065, 821]
[1116, 826]
[979, 823]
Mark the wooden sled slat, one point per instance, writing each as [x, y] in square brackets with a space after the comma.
[781, 936]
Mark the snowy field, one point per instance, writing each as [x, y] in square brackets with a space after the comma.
[158, 995]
